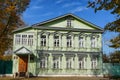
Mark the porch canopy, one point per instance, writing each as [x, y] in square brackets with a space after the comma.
[22, 51]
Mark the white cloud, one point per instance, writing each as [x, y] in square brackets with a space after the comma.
[36, 7]
[79, 9]
[59, 1]
[71, 4]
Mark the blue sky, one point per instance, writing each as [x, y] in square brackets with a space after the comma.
[41, 10]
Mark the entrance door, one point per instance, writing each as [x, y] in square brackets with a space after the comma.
[23, 63]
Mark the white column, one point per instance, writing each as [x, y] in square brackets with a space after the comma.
[47, 40]
[76, 42]
[51, 42]
[64, 42]
[60, 40]
[72, 41]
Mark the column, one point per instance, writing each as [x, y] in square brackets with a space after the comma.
[47, 40]
[72, 41]
[88, 62]
[51, 41]
[64, 42]
[85, 65]
[60, 40]
[76, 41]
[76, 62]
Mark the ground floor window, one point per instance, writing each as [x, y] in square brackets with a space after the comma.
[43, 62]
[81, 63]
[69, 62]
[94, 63]
[56, 62]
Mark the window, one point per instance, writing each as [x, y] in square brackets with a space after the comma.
[69, 22]
[94, 63]
[81, 63]
[69, 62]
[69, 41]
[56, 62]
[24, 39]
[56, 41]
[30, 40]
[43, 62]
[81, 42]
[43, 40]
[93, 42]
[17, 39]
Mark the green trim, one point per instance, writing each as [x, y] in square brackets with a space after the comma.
[23, 28]
[68, 29]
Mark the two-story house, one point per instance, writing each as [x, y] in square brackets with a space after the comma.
[65, 45]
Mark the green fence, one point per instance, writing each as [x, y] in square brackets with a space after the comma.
[111, 69]
[6, 67]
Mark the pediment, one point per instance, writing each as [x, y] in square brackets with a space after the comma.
[22, 50]
[76, 22]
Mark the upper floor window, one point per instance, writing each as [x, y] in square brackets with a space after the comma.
[93, 42]
[56, 62]
[69, 41]
[24, 39]
[43, 40]
[81, 42]
[56, 41]
[17, 39]
[30, 40]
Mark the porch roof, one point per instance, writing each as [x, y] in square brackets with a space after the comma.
[22, 51]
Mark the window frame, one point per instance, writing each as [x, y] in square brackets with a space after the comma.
[56, 62]
[43, 41]
[81, 42]
[69, 41]
[56, 41]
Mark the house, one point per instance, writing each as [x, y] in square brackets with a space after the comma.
[65, 45]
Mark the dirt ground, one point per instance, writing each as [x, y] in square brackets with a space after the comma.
[56, 78]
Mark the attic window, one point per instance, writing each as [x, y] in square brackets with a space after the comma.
[69, 22]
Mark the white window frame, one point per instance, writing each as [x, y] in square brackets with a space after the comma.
[56, 41]
[69, 22]
[43, 40]
[69, 62]
[81, 63]
[81, 42]
[24, 39]
[43, 62]
[93, 42]
[30, 40]
[56, 62]
[17, 39]
[94, 63]
[69, 40]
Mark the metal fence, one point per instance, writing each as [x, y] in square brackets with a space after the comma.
[6, 67]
